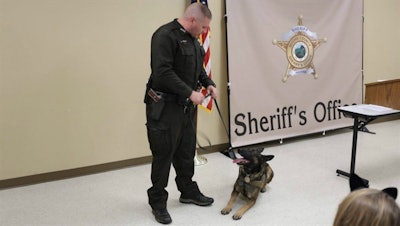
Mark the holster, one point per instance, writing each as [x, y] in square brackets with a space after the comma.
[155, 104]
[154, 109]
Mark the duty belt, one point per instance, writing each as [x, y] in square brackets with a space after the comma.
[158, 95]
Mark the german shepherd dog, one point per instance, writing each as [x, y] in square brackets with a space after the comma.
[254, 175]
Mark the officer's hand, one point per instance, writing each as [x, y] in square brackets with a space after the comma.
[196, 97]
[213, 91]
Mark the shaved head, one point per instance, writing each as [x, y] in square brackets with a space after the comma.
[198, 11]
[196, 19]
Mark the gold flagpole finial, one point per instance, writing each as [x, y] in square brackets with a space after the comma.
[300, 23]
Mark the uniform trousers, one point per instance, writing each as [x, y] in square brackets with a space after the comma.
[172, 141]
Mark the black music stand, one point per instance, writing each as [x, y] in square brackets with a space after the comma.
[362, 114]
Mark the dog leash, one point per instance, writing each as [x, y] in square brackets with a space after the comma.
[228, 153]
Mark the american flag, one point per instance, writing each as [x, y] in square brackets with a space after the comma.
[205, 41]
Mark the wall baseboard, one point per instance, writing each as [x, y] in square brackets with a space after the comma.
[82, 171]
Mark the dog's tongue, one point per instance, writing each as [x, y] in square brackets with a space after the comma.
[240, 160]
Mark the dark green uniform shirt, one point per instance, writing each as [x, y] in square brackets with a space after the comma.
[177, 61]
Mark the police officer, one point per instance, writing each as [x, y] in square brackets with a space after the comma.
[171, 98]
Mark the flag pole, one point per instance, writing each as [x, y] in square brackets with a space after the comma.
[198, 159]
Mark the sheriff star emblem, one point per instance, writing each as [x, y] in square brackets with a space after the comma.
[299, 44]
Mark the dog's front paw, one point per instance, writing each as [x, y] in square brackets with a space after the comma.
[226, 210]
[237, 216]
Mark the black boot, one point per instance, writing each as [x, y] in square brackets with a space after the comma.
[197, 198]
[162, 216]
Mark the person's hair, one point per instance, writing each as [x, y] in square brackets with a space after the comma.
[368, 207]
[197, 9]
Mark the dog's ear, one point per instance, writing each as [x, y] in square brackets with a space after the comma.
[391, 191]
[267, 158]
[230, 153]
[259, 150]
[356, 182]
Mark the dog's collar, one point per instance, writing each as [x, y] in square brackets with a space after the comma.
[248, 178]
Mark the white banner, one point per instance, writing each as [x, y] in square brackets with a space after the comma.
[291, 65]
